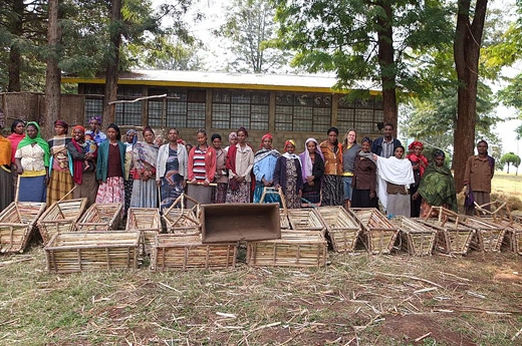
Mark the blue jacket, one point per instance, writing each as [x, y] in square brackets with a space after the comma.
[377, 145]
[102, 163]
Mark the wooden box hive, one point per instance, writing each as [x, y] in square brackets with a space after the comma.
[294, 249]
[305, 220]
[100, 217]
[283, 217]
[178, 251]
[416, 238]
[488, 235]
[342, 228]
[88, 251]
[62, 216]
[17, 223]
[378, 233]
[148, 222]
[513, 234]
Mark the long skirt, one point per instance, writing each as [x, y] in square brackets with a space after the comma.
[241, 195]
[60, 183]
[88, 188]
[399, 205]
[415, 203]
[311, 199]
[111, 191]
[32, 189]
[169, 193]
[333, 190]
[201, 193]
[144, 194]
[6, 182]
[269, 197]
[361, 199]
[219, 193]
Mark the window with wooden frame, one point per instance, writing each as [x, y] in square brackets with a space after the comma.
[362, 115]
[181, 108]
[232, 109]
[304, 112]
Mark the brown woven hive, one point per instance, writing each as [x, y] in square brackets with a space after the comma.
[378, 234]
[416, 238]
[17, 223]
[61, 217]
[343, 230]
[100, 217]
[148, 222]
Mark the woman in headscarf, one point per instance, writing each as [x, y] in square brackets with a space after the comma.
[313, 170]
[240, 160]
[171, 169]
[16, 136]
[144, 157]
[60, 169]
[364, 178]
[350, 149]
[32, 164]
[95, 126]
[84, 165]
[437, 187]
[201, 169]
[333, 169]
[6, 178]
[219, 193]
[131, 138]
[419, 163]
[395, 175]
[264, 165]
[289, 176]
[110, 168]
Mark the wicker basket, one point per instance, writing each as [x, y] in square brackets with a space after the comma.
[378, 234]
[294, 249]
[61, 217]
[175, 251]
[100, 217]
[17, 223]
[488, 237]
[148, 222]
[342, 228]
[305, 220]
[416, 238]
[88, 251]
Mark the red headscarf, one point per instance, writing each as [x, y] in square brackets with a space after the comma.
[266, 136]
[417, 159]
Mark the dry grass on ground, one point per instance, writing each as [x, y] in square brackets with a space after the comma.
[356, 300]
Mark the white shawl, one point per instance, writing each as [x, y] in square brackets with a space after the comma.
[395, 171]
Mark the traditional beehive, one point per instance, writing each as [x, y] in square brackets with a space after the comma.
[182, 220]
[100, 217]
[17, 223]
[178, 251]
[61, 217]
[92, 251]
[294, 249]
[488, 235]
[378, 233]
[148, 222]
[453, 237]
[305, 220]
[416, 238]
[343, 230]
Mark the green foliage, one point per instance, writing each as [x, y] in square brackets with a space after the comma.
[342, 36]
[249, 27]
[510, 159]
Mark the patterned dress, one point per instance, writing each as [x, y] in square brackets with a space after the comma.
[171, 190]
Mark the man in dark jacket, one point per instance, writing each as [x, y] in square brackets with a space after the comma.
[385, 146]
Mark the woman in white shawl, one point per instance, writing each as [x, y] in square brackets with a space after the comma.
[394, 176]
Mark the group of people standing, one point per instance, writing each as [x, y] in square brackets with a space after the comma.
[106, 169]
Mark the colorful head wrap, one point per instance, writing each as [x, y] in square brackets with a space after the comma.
[38, 140]
[290, 141]
[97, 118]
[62, 124]
[415, 144]
[134, 135]
[265, 136]
[232, 135]
[306, 161]
[79, 127]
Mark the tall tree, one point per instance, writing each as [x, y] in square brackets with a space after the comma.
[53, 73]
[248, 27]
[380, 41]
[468, 41]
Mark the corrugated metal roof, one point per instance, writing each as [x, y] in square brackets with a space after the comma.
[224, 80]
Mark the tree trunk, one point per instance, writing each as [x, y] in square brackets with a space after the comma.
[53, 75]
[387, 64]
[468, 40]
[113, 59]
[15, 60]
